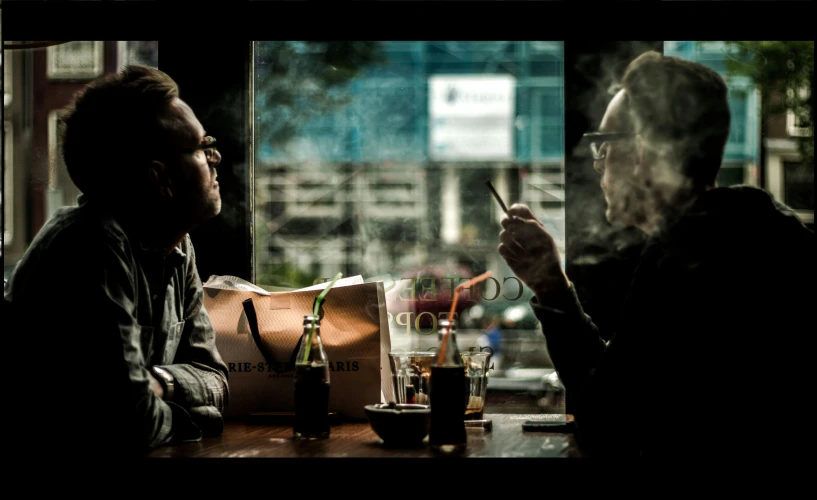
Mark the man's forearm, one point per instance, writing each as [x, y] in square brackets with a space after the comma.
[198, 387]
[573, 341]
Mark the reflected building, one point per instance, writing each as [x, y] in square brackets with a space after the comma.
[395, 180]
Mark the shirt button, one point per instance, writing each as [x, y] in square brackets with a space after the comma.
[155, 296]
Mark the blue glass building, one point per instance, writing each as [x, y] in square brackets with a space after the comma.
[388, 118]
[360, 188]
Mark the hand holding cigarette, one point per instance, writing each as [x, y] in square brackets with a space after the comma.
[498, 198]
[531, 252]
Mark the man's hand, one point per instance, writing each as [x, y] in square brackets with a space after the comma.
[156, 386]
[530, 252]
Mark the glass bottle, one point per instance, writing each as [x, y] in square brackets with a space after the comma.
[448, 396]
[311, 385]
[442, 327]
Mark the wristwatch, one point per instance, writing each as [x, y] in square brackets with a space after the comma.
[166, 379]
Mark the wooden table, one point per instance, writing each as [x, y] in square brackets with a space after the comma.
[506, 439]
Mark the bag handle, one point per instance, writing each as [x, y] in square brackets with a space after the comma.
[276, 366]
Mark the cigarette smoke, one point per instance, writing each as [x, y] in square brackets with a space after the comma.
[592, 240]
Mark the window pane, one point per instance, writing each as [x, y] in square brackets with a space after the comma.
[376, 164]
[7, 80]
[798, 182]
[8, 185]
[738, 104]
[741, 145]
[61, 190]
[781, 172]
[730, 175]
[145, 53]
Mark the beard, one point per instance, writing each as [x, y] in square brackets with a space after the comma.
[199, 207]
[627, 206]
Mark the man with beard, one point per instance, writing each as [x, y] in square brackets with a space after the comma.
[713, 329]
[117, 350]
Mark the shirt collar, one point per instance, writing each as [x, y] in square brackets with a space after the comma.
[176, 255]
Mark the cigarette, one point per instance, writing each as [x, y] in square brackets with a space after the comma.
[496, 195]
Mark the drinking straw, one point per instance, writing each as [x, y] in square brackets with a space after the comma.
[473, 281]
[315, 314]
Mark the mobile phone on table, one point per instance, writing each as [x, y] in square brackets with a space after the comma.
[548, 426]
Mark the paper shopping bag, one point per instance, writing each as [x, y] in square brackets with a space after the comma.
[354, 331]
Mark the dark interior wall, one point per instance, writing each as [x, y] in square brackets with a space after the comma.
[213, 77]
[600, 258]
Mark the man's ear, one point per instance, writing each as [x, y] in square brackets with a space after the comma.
[159, 179]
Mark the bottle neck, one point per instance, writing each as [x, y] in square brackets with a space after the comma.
[448, 346]
[311, 349]
[308, 325]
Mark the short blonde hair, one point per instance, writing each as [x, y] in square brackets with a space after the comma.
[682, 105]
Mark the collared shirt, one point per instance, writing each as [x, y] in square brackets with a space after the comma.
[105, 301]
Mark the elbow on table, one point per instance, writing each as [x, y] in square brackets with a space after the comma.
[151, 423]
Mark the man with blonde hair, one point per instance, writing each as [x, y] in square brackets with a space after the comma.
[712, 334]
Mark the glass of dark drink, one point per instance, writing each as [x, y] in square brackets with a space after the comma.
[476, 383]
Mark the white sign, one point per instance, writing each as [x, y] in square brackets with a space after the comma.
[471, 117]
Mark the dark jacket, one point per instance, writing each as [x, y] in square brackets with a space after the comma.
[713, 342]
[95, 307]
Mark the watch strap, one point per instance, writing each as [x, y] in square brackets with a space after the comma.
[167, 380]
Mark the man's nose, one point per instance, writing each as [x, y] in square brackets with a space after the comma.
[216, 158]
[598, 166]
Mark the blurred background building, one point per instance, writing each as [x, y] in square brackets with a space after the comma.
[395, 180]
[763, 148]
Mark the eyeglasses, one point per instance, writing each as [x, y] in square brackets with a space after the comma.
[598, 139]
[208, 145]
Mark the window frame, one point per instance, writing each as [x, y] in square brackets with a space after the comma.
[778, 153]
[55, 73]
[8, 183]
[53, 148]
[8, 81]
[123, 57]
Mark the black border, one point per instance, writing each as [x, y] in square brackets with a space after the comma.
[388, 21]
[269, 20]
